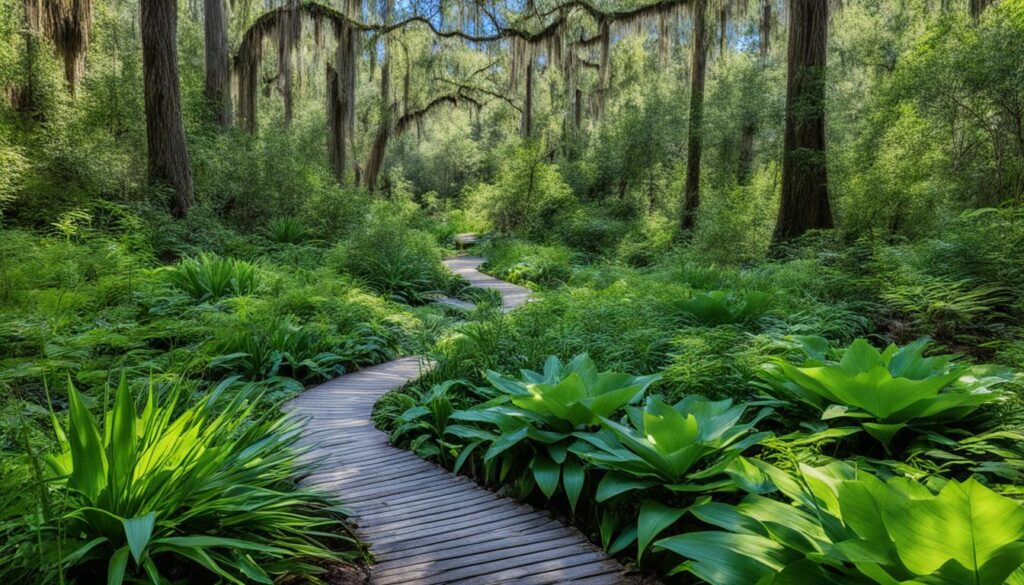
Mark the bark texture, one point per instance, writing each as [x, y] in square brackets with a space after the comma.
[165, 133]
[695, 140]
[526, 121]
[805, 201]
[217, 88]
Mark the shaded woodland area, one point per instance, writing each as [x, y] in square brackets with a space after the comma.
[773, 248]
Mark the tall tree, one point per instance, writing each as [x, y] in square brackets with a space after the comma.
[218, 78]
[749, 132]
[526, 121]
[165, 133]
[805, 202]
[695, 140]
[976, 7]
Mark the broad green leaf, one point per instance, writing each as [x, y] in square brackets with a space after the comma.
[728, 559]
[547, 474]
[967, 523]
[89, 459]
[138, 531]
[573, 477]
[116, 567]
[654, 518]
[122, 436]
[613, 484]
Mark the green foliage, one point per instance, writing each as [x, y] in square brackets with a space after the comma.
[885, 392]
[422, 425]
[209, 277]
[275, 350]
[286, 230]
[524, 263]
[663, 444]
[545, 409]
[719, 307]
[527, 192]
[175, 490]
[849, 527]
[393, 258]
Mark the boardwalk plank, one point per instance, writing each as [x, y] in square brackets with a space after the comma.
[424, 524]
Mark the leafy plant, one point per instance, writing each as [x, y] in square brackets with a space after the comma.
[422, 425]
[276, 349]
[885, 391]
[685, 448]
[286, 230]
[945, 308]
[719, 307]
[545, 409]
[184, 491]
[663, 443]
[208, 277]
[847, 527]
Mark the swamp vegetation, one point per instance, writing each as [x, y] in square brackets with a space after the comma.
[777, 326]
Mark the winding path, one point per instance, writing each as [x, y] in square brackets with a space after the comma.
[424, 524]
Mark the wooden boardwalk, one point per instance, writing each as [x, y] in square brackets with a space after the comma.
[424, 524]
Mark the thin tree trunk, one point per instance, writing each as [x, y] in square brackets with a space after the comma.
[218, 78]
[165, 132]
[336, 143]
[578, 110]
[765, 32]
[746, 154]
[526, 122]
[695, 140]
[977, 7]
[805, 202]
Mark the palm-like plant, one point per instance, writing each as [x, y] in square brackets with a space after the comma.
[209, 490]
[209, 277]
[886, 391]
[548, 408]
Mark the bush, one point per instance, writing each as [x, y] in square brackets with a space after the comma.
[286, 230]
[394, 259]
[194, 493]
[209, 277]
[526, 196]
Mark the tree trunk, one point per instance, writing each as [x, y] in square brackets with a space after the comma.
[695, 140]
[218, 78]
[165, 133]
[805, 203]
[746, 154]
[765, 32]
[578, 110]
[977, 7]
[526, 123]
[336, 143]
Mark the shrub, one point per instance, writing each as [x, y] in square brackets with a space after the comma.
[209, 277]
[547, 408]
[888, 391]
[686, 447]
[200, 492]
[719, 307]
[527, 194]
[394, 259]
[274, 350]
[286, 230]
[850, 527]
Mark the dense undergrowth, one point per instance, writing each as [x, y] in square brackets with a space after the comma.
[704, 405]
[767, 390]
